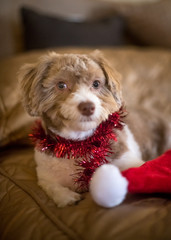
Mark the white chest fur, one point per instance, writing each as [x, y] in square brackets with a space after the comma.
[132, 157]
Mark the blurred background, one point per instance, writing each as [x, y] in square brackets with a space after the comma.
[134, 35]
[36, 24]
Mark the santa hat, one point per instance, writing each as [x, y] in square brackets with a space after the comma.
[109, 186]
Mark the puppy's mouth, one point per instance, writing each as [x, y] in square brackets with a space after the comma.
[80, 124]
[87, 119]
[82, 119]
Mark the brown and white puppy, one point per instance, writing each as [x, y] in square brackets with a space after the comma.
[73, 94]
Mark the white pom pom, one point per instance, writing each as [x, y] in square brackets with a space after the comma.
[108, 187]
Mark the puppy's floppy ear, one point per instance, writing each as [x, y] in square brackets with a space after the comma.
[112, 76]
[27, 76]
[30, 82]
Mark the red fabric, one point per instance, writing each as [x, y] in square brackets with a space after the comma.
[152, 177]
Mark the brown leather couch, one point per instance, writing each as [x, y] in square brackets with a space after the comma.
[26, 213]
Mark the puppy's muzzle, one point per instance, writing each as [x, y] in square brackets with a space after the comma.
[86, 108]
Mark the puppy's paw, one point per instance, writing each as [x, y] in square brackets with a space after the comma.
[66, 197]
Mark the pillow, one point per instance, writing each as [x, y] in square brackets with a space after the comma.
[42, 31]
[148, 23]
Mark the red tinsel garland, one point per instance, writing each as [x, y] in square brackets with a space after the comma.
[88, 154]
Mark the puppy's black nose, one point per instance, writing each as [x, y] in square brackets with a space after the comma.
[86, 108]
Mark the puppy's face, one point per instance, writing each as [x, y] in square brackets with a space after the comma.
[71, 93]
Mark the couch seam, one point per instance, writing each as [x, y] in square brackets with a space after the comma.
[58, 223]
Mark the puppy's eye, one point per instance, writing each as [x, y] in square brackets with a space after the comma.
[96, 84]
[61, 85]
